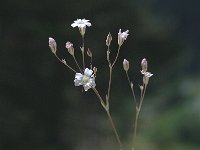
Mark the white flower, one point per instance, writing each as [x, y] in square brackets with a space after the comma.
[122, 36]
[80, 23]
[87, 79]
[146, 77]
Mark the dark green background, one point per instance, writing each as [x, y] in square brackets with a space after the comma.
[41, 109]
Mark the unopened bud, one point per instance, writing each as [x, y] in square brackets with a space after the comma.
[89, 53]
[52, 45]
[109, 39]
[70, 48]
[141, 87]
[144, 65]
[126, 65]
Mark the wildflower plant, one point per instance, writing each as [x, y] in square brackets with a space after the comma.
[86, 76]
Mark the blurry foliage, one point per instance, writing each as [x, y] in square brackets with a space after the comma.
[40, 109]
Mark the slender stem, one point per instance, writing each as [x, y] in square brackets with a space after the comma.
[110, 81]
[65, 64]
[106, 108]
[77, 64]
[132, 90]
[100, 98]
[83, 52]
[138, 108]
[116, 56]
[114, 129]
[136, 122]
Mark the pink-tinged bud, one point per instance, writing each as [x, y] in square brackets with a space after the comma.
[52, 45]
[89, 53]
[109, 39]
[70, 48]
[126, 65]
[144, 65]
[122, 36]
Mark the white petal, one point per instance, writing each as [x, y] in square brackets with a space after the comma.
[74, 25]
[86, 87]
[78, 76]
[92, 82]
[88, 72]
[77, 82]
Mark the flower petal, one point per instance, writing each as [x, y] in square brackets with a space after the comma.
[88, 72]
[86, 87]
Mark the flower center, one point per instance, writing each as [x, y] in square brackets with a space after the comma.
[85, 79]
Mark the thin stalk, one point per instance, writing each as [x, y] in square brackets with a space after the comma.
[132, 90]
[77, 64]
[116, 56]
[66, 64]
[106, 108]
[114, 130]
[83, 52]
[136, 122]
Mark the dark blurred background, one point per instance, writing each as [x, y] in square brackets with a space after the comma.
[41, 109]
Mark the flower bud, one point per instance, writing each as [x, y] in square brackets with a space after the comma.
[144, 65]
[52, 45]
[70, 48]
[109, 39]
[126, 65]
[89, 53]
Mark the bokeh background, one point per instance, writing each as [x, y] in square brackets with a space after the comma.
[41, 109]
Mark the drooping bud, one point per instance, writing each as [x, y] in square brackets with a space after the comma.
[144, 65]
[70, 48]
[122, 36]
[52, 45]
[89, 53]
[109, 39]
[126, 65]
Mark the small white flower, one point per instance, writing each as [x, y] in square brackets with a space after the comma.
[87, 79]
[122, 36]
[80, 23]
[146, 77]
